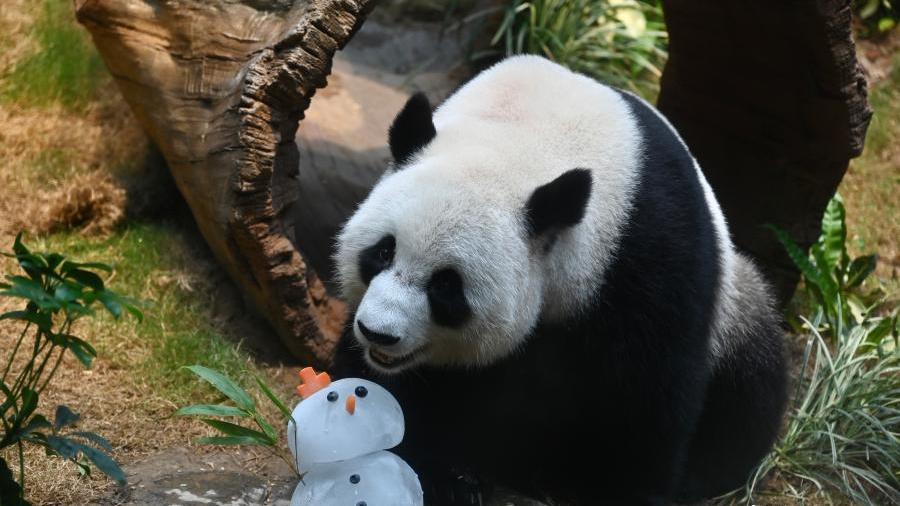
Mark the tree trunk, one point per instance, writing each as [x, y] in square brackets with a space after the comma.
[770, 99]
[220, 86]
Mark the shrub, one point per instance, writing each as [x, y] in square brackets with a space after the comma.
[620, 42]
[876, 17]
[844, 427]
[57, 293]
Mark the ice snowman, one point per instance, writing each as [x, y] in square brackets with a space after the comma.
[345, 428]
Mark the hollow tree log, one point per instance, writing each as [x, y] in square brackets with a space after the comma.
[770, 99]
[220, 86]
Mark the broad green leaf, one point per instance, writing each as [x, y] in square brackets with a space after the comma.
[212, 410]
[63, 447]
[86, 278]
[66, 292]
[231, 429]
[859, 270]
[29, 404]
[828, 283]
[42, 320]
[272, 397]
[83, 351]
[110, 303]
[24, 288]
[103, 462]
[68, 266]
[114, 303]
[231, 440]
[870, 8]
[53, 260]
[64, 417]
[834, 235]
[37, 422]
[858, 309]
[224, 385]
[97, 439]
[876, 334]
[800, 259]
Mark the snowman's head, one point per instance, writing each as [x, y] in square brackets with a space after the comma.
[345, 419]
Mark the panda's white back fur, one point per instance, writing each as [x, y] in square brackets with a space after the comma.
[514, 127]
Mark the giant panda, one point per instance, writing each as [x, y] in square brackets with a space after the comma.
[545, 281]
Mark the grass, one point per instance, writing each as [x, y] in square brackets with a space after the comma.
[64, 69]
[872, 183]
[155, 264]
[844, 432]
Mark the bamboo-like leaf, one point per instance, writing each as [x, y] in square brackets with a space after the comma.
[212, 410]
[231, 440]
[231, 429]
[800, 259]
[225, 385]
[859, 270]
[274, 398]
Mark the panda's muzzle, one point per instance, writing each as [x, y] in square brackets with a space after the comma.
[377, 337]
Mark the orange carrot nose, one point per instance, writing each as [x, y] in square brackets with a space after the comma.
[351, 404]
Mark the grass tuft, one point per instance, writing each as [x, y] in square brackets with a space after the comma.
[620, 42]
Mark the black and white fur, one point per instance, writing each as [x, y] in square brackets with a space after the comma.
[545, 281]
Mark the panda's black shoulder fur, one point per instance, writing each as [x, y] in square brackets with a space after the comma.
[596, 409]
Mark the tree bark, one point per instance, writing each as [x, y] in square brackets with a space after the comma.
[772, 102]
[220, 86]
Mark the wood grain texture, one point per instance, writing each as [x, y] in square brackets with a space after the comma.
[221, 86]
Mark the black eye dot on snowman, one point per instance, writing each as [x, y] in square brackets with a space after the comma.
[332, 396]
[354, 479]
[361, 391]
[361, 503]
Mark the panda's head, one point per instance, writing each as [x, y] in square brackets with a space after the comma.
[442, 264]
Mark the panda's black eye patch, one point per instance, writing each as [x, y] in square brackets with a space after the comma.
[376, 258]
[449, 307]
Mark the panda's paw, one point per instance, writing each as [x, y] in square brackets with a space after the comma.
[455, 488]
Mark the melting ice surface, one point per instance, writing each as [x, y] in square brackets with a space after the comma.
[376, 479]
[329, 433]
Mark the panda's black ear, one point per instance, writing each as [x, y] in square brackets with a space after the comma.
[412, 129]
[559, 204]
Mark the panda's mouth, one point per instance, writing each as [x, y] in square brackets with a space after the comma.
[389, 362]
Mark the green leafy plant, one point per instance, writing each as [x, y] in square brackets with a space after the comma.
[57, 293]
[620, 42]
[243, 407]
[844, 428]
[877, 17]
[831, 278]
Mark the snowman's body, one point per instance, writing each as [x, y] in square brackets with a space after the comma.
[339, 442]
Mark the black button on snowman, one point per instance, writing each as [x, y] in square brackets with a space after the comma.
[345, 428]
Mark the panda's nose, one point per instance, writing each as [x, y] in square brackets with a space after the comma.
[376, 337]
